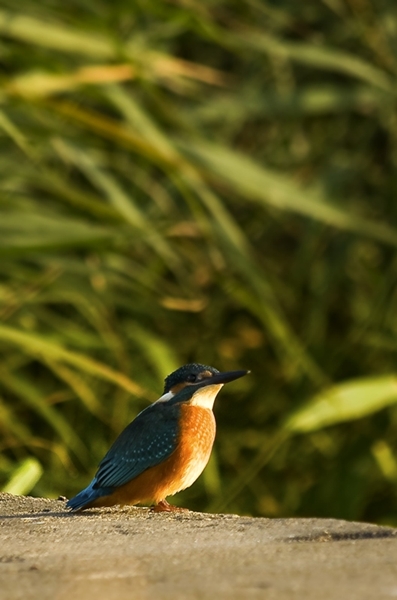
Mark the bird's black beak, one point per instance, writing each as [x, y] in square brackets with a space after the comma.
[222, 378]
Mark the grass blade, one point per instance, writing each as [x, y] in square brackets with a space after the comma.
[25, 477]
[345, 402]
[38, 346]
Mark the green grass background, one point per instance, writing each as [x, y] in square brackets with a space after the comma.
[202, 181]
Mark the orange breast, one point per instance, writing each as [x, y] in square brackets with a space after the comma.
[179, 470]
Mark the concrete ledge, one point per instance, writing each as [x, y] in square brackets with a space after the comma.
[130, 553]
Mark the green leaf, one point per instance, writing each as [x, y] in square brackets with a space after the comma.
[21, 233]
[121, 201]
[24, 478]
[267, 187]
[36, 345]
[321, 57]
[27, 392]
[352, 400]
[51, 35]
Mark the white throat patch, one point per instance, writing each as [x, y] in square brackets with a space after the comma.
[205, 397]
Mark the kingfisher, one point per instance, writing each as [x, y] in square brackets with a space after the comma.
[165, 448]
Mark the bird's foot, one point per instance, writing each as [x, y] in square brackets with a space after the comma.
[164, 506]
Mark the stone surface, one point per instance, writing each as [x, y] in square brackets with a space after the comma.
[130, 553]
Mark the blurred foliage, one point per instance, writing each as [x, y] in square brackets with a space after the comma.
[212, 182]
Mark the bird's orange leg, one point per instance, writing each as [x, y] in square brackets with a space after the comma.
[164, 506]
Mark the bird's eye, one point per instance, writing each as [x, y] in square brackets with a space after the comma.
[191, 378]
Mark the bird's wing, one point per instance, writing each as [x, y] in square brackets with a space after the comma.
[144, 443]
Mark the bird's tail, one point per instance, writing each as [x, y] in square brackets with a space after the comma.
[86, 497]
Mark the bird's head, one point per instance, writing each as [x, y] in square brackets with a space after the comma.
[196, 384]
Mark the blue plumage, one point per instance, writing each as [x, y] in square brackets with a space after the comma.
[89, 494]
[144, 443]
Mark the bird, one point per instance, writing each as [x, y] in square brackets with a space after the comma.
[165, 448]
